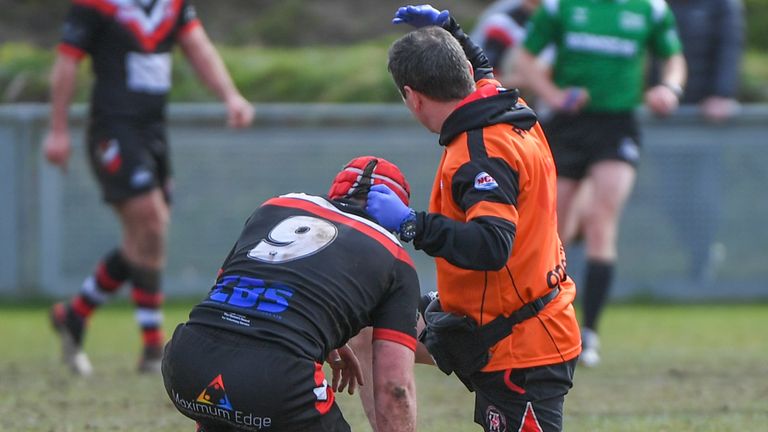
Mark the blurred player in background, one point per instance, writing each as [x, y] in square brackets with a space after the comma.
[306, 274]
[491, 227]
[712, 33]
[501, 28]
[596, 84]
[130, 44]
[500, 31]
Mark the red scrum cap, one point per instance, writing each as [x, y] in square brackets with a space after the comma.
[360, 173]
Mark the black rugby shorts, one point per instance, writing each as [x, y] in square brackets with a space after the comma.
[230, 382]
[522, 400]
[129, 158]
[581, 140]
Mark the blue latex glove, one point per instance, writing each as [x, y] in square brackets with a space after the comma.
[420, 16]
[386, 207]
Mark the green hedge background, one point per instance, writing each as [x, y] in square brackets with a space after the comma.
[285, 51]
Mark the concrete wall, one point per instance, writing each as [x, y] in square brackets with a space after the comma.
[700, 193]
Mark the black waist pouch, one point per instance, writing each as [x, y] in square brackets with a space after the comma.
[454, 342]
[458, 345]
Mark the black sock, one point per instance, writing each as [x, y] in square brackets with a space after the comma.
[148, 298]
[109, 275]
[116, 266]
[596, 288]
[76, 326]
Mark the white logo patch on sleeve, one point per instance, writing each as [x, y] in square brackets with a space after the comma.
[484, 181]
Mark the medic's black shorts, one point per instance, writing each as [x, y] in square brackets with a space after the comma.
[229, 382]
[579, 141]
[527, 400]
[129, 158]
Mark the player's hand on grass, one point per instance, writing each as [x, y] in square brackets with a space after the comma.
[239, 112]
[57, 148]
[346, 371]
[420, 16]
[386, 207]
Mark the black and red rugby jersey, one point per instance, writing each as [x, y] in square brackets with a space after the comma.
[308, 273]
[130, 43]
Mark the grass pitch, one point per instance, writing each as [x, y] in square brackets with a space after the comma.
[665, 368]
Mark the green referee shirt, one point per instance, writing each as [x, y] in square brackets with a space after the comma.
[602, 45]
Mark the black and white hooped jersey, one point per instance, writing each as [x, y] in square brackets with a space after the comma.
[308, 273]
[130, 43]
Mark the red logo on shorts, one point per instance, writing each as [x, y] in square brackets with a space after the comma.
[495, 420]
[530, 422]
[323, 392]
[109, 155]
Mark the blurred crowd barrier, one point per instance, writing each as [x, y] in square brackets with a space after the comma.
[695, 229]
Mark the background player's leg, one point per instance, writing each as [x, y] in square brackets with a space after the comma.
[612, 183]
[567, 208]
[70, 319]
[362, 346]
[145, 221]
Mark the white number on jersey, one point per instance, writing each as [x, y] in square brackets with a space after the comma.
[293, 238]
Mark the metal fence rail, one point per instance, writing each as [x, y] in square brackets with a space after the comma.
[700, 196]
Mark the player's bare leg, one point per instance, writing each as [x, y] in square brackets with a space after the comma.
[145, 221]
[612, 182]
[567, 214]
[70, 319]
[362, 346]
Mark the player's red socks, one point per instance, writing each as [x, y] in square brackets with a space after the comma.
[109, 275]
[148, 299]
